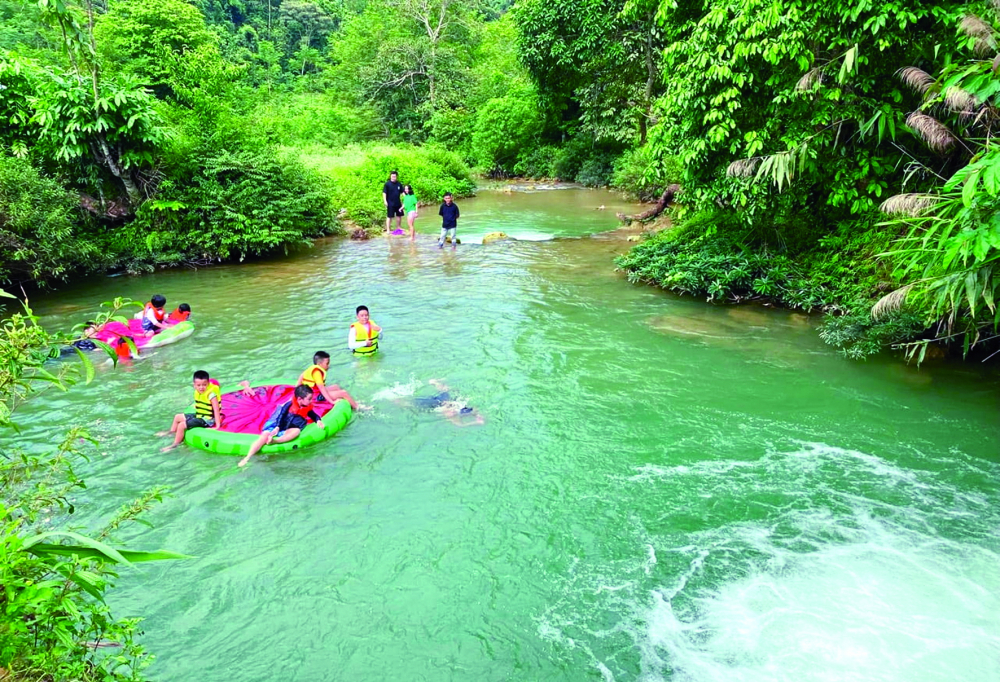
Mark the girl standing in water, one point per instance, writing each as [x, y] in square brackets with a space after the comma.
[410, 208]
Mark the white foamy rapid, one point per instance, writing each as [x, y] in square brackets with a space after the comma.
[889, 605]
[844, 567]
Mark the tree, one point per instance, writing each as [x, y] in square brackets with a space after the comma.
[136, 37]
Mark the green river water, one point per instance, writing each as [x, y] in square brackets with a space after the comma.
[662, 490]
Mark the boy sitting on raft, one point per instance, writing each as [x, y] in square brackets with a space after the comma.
[207, 408]
[315, 378]
[287, 421]
[153, 316]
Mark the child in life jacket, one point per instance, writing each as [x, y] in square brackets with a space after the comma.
[123, 350]
[180, 314]
[287, 422]
[363, 336]
[153, 316]
[315, 378]
[207, 408]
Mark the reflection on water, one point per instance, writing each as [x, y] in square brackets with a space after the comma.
[663, 489]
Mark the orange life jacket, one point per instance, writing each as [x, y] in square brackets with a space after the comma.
[158, 313]
[178, 316]
[122, 350]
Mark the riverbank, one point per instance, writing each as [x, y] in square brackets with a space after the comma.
[841, 274]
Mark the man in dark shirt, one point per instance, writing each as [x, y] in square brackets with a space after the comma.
[449, 221]
[391, 192]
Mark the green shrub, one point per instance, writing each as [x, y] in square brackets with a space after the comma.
[640, 175]
[38, 238]
[453, 130]
[858, 336]
[596, 170]
[314, 118]
[356, 175]
[505, 126]
[229, 202]
[536, 162]
[139, 37]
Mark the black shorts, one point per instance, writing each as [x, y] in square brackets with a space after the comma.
[194, 422]
[393, 210]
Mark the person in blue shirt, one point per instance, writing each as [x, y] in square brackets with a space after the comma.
[449, 220]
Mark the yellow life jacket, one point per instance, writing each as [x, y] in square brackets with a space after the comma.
[307, 378]
[361, 334]
[203, 402]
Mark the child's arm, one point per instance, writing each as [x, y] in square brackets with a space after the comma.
[216, 411]
[247, 391]
[316, 419]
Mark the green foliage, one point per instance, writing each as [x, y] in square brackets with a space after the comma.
[308, 118]
[637, 173]
[54, 622]
[101, 129]
[231, 202]
[139, 37]
[356, 175]
[858, 336]
[595, 61]
[38, 238]
[505, 126]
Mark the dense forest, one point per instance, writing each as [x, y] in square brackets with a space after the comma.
[830, 157]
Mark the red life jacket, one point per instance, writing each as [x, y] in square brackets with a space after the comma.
[122, 350]
[178, 316]
[299, 410]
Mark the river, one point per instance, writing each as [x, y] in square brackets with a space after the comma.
[663, 489]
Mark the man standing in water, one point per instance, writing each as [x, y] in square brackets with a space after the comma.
[393, 204]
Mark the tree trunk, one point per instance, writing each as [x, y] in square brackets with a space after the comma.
[665, 199]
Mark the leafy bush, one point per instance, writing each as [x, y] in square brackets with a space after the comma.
[230, 202]
[505, 126]
[596, 170]
[536, 162]
[314, 118]
[38, 239]
[356, 175]
[859, 336]
[640, 175]
[712, 254]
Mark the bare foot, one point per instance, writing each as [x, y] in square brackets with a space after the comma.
[161, 434]
[168, 448]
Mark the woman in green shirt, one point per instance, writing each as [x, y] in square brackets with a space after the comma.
[410, 209]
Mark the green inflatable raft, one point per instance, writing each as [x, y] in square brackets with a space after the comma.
[172, 334]
[244, 417]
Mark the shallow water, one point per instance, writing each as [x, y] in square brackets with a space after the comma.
[663, 489]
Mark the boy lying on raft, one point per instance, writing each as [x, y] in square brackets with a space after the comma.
[287, 422]
[207, 408]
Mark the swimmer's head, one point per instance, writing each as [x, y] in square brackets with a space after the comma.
[304, 395]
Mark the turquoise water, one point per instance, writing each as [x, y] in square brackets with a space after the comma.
[662, 490]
